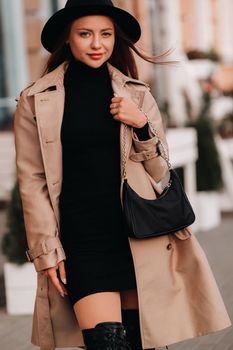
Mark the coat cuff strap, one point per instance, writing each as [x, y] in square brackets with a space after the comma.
[43, 248]
[144, 155]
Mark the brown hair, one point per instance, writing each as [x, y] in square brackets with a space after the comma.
[122, 57]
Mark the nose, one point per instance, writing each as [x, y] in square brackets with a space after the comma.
[96, 42]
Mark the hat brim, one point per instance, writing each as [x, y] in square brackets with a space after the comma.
[59, 21]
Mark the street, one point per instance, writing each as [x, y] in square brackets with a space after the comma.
[15, 331]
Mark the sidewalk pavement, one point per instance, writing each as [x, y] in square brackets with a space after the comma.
[15, 331]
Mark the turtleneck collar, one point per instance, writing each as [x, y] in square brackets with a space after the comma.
[82, 71]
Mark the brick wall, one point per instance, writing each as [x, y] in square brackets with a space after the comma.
[33, 27]
[139, 9]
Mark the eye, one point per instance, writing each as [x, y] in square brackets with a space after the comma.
[84, 34]
[107, 34]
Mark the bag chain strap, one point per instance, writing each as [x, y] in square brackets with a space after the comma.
[159, 144]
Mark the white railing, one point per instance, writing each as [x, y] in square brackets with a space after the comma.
[183, 153]
[7, 164]
[14, 45]
[182, 144]
[225, 148]
[8, 102]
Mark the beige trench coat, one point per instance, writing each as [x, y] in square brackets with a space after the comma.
[177, 293]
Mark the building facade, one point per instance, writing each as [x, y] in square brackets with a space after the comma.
[182, 25]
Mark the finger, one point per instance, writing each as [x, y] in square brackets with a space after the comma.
[63, 288]
[62, 272]
[114, 111]
[114, 105]
[57, 284]
[119, 118]
[62, 275]
[116, 99]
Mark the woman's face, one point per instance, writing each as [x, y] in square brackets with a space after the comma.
[92, 39]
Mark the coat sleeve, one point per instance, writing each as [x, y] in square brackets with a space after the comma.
[45, 249]
[142, 133]
[152, 152]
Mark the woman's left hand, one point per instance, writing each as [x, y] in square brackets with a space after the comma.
[126, 111]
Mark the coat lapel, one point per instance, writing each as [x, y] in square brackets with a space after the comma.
[49, 107]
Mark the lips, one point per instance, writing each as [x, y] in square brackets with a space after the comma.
[96, 56]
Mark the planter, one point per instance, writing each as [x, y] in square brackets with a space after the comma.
[20, 285]
[208, 210]
[202, 69]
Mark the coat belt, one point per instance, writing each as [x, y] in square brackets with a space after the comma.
[43, 248]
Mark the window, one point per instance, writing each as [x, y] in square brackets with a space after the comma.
[4, 112]
[54, 5]
[13, 62]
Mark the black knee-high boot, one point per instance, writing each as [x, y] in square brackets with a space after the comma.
[130, 319]
[106, 336]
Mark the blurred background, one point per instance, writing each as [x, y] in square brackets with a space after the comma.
[195, 97]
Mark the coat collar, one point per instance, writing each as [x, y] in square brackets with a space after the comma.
[56, 79]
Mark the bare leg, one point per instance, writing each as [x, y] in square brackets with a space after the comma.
[99, 317]
[98, 307]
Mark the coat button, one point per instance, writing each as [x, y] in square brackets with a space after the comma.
[169, 246]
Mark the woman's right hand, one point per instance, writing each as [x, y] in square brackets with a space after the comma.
[52, 274]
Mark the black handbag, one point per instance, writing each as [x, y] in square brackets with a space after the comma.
[170, 212]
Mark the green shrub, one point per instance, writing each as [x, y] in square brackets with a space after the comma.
[208, 167]
[14, 242]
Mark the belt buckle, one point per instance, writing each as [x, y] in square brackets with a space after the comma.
[28, 256]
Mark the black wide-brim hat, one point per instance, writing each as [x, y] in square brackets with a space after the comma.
[74, 9]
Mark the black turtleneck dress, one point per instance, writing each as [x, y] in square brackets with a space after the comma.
[93, 230]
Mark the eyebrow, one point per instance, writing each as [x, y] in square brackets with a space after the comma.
[90, 30]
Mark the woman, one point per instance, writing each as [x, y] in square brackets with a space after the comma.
[96, 287]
